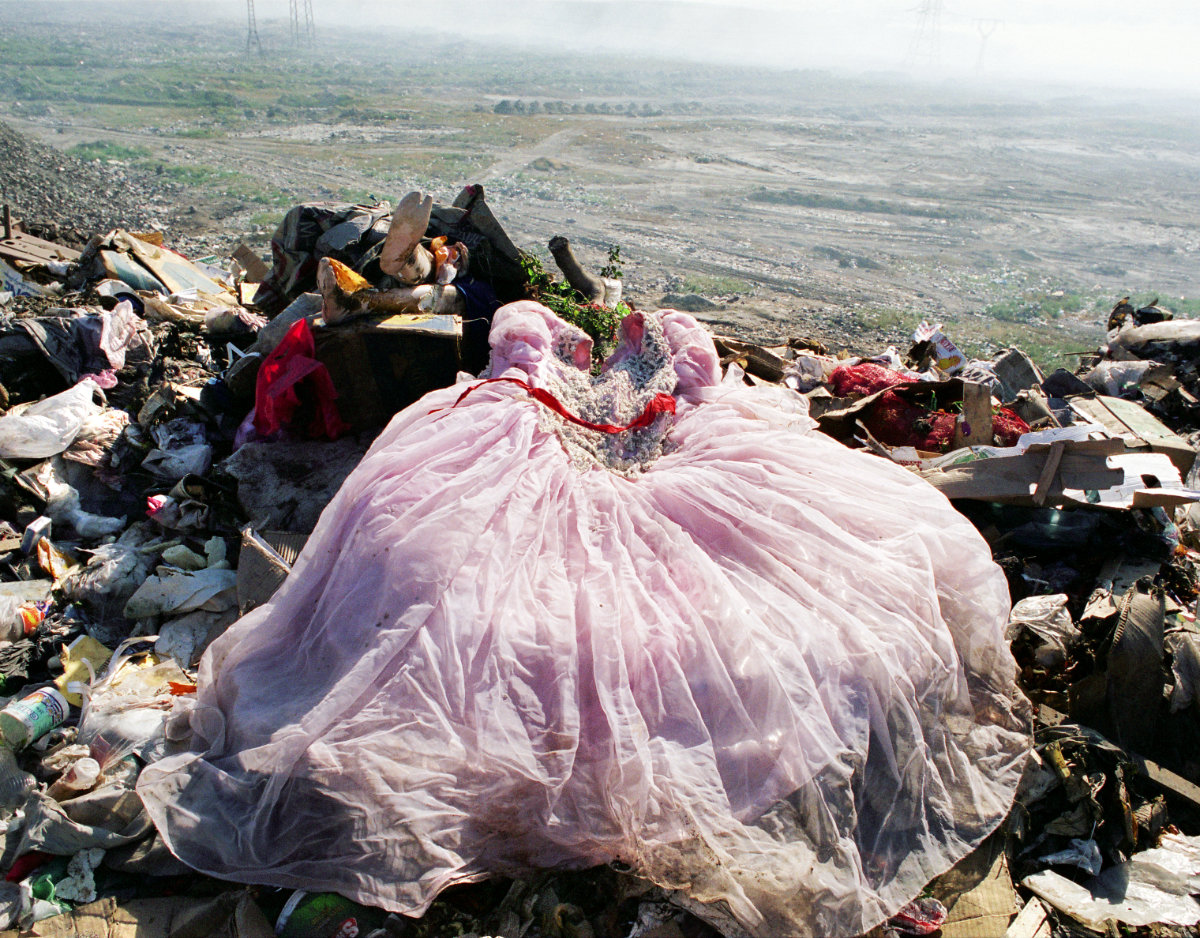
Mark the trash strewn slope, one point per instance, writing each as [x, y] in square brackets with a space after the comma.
[173, 428]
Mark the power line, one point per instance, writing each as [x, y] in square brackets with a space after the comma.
[304, 30]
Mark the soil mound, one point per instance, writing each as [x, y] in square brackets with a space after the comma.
[67, 200]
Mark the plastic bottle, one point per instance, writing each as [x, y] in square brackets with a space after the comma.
[20, 617]
[325, 915]
[15, 783]
[33, 716]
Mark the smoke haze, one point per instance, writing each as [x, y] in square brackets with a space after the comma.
[1105, 44]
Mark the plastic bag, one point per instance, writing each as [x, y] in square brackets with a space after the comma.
[62, 505]
[1048, 619]
[1152, 886]
[1113, 378]
[291, 364]
[123, 712]
[121, 331]
[805, 373]
[174, 592]
[50, 426]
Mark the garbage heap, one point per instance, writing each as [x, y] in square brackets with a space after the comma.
[171, 430]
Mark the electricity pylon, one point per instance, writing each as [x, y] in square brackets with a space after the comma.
[252, 28]
[305, 31]
[927, 42]
[986, 28]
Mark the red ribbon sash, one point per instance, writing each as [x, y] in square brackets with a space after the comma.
[659, 404]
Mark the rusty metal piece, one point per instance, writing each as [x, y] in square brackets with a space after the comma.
[25, 248]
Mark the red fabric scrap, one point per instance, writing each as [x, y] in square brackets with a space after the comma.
[922, 916]
[290, 366]
[863, 379]
[26, 864]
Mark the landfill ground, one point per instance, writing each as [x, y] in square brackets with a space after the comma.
[794, 202]
[137, 525]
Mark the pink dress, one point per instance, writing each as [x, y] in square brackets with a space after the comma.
[753, 665]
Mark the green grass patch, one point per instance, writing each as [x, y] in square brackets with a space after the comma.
[888, 319]
[1050, 346]
[360, 196]
[106, 150]
[200, 133]
[194, 175]
[266, 219]
[719, 286]
[1035, 306]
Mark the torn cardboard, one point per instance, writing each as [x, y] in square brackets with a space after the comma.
[1131, 422]
[380, 366]
[1101, 473]
[230, 915]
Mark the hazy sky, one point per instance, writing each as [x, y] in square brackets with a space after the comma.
[1122, 43]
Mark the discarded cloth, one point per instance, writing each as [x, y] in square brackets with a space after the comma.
[723, 649]
[290, 365]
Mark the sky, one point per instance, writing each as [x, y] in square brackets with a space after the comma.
[1151, 44]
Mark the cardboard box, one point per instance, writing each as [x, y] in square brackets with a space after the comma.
[380, 365]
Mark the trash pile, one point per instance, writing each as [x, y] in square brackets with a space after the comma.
[171, 430]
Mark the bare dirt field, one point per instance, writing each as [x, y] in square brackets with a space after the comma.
[795, 203]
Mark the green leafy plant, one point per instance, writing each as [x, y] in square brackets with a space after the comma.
[613, 267]
[598, 321]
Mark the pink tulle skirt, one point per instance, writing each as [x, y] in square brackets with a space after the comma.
[758, 668]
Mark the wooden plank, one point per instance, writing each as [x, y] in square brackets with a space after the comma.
[1049, 471]
[1030, 921]
[30, 250]
[1137, 426]
[974, 426]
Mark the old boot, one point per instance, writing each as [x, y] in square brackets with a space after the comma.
[403, 256]
[480, 215]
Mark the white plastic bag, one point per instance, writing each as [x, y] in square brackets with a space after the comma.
[62, 505]
[50, 426]
[1113, 378]
[1155, 885]
[1048, 619]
